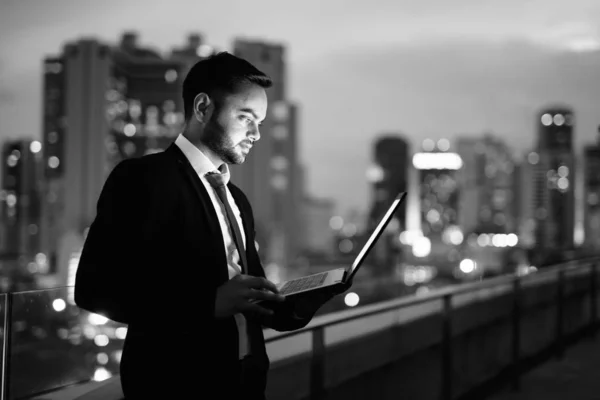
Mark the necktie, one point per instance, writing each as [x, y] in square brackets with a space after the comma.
[217, 181]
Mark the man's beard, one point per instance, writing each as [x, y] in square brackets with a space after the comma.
[217, 141]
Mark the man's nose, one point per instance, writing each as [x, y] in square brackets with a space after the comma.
[254, 133]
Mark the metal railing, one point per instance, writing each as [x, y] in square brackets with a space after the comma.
[318, 351]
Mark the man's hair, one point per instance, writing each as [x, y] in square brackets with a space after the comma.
[219, 74]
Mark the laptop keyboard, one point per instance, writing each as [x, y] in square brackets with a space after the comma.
[308, 282]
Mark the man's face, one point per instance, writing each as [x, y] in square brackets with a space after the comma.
[233, 125]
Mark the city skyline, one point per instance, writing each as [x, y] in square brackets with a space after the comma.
[423, 72]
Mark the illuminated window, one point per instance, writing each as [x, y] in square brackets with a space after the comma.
[35, 146]
[533, 158]
[443, 144]
[204, 50]
[11, 200]
[112, 95]
[129, 130]
[171, 76]
[428, 145]
[12, 161]
[546, 119]
[53, 162]
[135, 109]
[559, 119]
[563, 171]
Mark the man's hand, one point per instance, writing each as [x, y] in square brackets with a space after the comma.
[237, 296]
[307, 306]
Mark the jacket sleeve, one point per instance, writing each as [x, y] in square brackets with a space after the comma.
[107, 259]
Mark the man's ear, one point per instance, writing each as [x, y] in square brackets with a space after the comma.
[202, 103]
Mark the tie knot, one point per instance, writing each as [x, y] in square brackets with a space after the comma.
[215, 179]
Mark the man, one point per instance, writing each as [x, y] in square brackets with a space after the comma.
[163, 253]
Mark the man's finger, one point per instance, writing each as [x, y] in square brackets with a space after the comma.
[256, 282]
[264, 295]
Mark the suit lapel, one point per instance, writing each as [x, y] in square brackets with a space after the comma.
[214, 228]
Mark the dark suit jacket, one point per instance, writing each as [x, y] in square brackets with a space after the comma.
[153, 259]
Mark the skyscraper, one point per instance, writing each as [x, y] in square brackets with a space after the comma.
[391, 161]
[592, 196]
[486, 184]
[439, 191]
[388, 176]
[21, 208]
[102, 104]
[554, 188]
[528, 171]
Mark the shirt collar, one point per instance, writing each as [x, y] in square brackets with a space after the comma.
[201, 164]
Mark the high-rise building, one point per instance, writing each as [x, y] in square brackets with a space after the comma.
[526, 175]
[554, 180]
[270, 174]
[389, 177]
[102, 104]
[439, 191]
[592, 196]
[486, 181]
[21, 197]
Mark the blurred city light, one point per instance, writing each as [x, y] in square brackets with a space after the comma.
[546, 119]
[375, 174]
[467, 266]
[443, 145]
[451, 161]
[409, 237]
[97, 319]
[421, 247]
[35, 146]
[59, 305]
[428, 145]
[346, 246]
[101, 374]
[351, 299]
[101, 340]
[121, 333]
[102, 358]
[336, 223]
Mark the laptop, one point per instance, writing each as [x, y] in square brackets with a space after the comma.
[339, 276]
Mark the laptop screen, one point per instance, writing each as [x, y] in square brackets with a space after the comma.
[377, 232]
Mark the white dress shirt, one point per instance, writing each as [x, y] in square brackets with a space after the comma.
[202, 165]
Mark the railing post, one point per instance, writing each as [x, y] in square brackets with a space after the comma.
[593, 296]
[560, 313]
[6, 347]
[317, 365]
[516, 334]
[447, 349]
